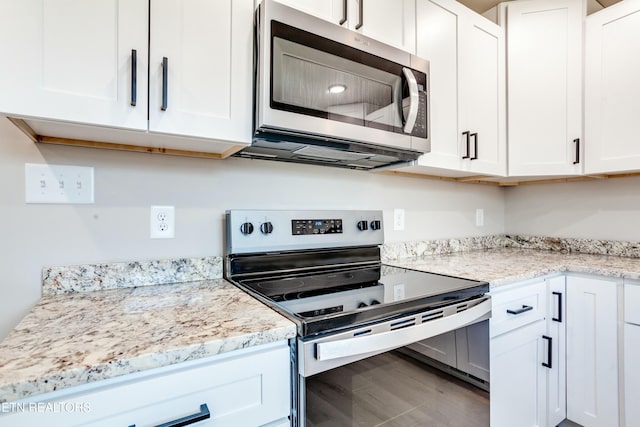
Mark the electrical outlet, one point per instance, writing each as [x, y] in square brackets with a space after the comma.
[162, 222]
[58, 184]
[479, 217]
[398, 219]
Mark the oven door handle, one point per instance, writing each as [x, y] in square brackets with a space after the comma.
[400, 337]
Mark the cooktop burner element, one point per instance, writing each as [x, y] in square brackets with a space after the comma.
[328, 282]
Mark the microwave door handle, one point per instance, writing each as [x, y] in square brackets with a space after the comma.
[414, 100]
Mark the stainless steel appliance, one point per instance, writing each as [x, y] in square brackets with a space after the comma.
[328, 95]
[322, 269]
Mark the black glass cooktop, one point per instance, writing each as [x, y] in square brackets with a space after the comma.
[339, 298]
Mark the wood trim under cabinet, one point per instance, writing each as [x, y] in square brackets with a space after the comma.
[479, 179]
[42, 139]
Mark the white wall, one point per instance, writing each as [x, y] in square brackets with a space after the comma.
[116, 227]
[602, 209]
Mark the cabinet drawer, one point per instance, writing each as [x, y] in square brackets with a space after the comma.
[632, 302]
[250, 390]
[516, 307]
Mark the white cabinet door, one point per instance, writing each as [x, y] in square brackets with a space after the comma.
[205, 90]
[557, 333]
[544, 52]
[518, 377]
[72, 60]
[472, 350]
[437, 23]
[330, 10]
[592, 351]
[482, 82]
[466, 54]
[441, 348]
[391, 22]
[632, 373]
[612, 89]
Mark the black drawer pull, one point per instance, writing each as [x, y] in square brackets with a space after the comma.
[468, 141]
[204, 414]
[475, 145]
[344, 13]
[165, 82]
[524, 308]
[549, 351]
[559, 318]
[134, 77]
[360, 15]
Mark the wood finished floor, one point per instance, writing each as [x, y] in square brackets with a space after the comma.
[393, 390]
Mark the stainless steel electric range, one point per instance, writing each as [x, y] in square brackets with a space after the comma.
[322, 269]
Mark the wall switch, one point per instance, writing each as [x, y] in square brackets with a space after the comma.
[398, 219]
[479, 217]
[162, 222]
[58, 184]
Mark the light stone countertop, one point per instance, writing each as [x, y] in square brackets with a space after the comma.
[73, 339]
[503, 266]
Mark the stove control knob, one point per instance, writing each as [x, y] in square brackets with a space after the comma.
[374, 302]
[246, 228]
[363, 225]
[376, 225]
[266, 228]
[361, 305]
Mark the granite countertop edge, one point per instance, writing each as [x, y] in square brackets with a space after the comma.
[22, 377]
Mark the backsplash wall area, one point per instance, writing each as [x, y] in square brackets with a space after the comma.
[606, 209]
[116, 227]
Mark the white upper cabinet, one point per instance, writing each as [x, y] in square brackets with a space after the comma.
[205, 89]
[391, 22]
[72, 60]
[482, 108]
[80, 70]
[466, 54]
[544, 51]
[612, 89]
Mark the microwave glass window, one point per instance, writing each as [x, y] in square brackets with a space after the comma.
[322, 78]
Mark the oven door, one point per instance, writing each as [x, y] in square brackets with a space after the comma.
[318, 78]
[334, 351]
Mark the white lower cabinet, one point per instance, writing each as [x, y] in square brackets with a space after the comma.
[632, 353]
[466, 349]
[592, 351]
[556, 361]
[249, 387]
[517, 353]
[518, 377]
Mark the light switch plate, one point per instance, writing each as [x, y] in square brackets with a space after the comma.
[398, 219]
[58, 184]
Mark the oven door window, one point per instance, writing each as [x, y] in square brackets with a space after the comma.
[319, 77]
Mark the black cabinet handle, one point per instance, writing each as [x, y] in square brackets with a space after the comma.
[204, 414]
[466, 134]
[165, 78]
[549, 351]
[475, 146]
[360, 14]
[577, 143]
[559, 318]
[524, 309]
[344, 12]
[134, 77]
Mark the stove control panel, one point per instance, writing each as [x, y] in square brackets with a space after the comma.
[255, 231]
[315, 226]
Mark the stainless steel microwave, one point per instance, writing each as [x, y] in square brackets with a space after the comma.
[328, 95]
